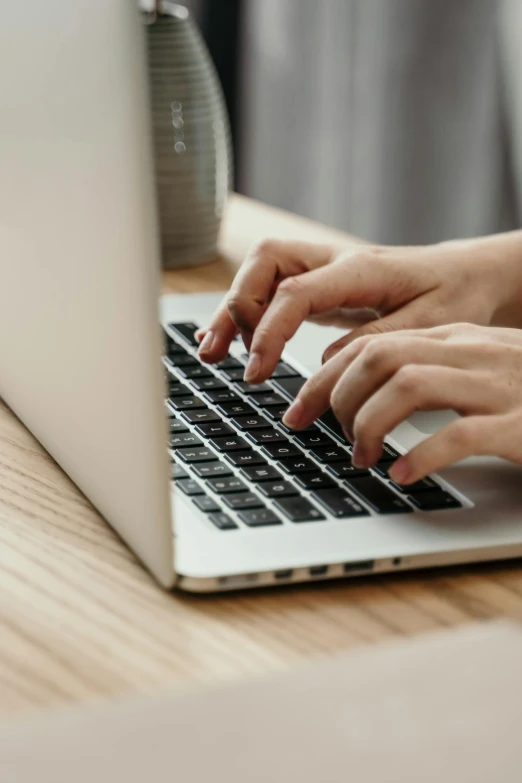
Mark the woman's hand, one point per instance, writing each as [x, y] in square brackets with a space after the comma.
[376, 382]
[281, 284]
[268, 263]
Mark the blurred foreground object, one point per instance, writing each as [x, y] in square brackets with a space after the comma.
[442, 707]
[191, 137]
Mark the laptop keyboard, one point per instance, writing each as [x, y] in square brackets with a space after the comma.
[241, 467]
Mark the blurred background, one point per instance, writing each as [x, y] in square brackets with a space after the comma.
[397, 120]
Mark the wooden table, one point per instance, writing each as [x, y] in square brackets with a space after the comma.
[80, 619]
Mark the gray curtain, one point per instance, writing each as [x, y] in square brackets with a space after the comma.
[393, 119]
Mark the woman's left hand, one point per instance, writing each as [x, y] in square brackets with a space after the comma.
[377, 381]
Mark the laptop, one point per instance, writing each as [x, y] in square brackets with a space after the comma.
[191, 466]
[440, 707]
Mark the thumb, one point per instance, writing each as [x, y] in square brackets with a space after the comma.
[411, 316]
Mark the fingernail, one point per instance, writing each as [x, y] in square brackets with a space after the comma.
[294, 414]
[199, 335]
[359, 459]
[253, 367]
[400, 471]
[206, 344]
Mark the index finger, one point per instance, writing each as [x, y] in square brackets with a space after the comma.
[242, 308]
[354, 281]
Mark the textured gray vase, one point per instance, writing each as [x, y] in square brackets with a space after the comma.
[191, 138]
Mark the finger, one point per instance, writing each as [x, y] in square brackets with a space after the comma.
[314, 396]
[408, 320]
[474, 435]
[414, 388]
[217, 337]
[266, 263]
[375, 358]
[358, 281]
[372, 362]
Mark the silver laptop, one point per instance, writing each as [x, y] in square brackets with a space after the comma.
[234, 501]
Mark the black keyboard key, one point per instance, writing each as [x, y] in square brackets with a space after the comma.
[277, 489]
[215, 429]
[212, 470]
[229, 363]
[282, 451]
[220, 396]
[283, 370]
[299, 509]
[339, 503]
[344, 470]
[243, 501]
[244, 458]
[248, 423]
[261, 473]
[189, 487]
[312, 440]
[232, 443]
[206, 504]
[328, 454]
[173, 348]
[195, 372]
[222, 521]
[183, 440]
[424, 485]
[329, 420]
[259, 518]
[208, 384]
[175, 425]
[254, 388]
[315, 481]
[182, 360]
[277, 412]
[267, 436]
[388, 454]
[234, 374]
[200, 416]
[298, 465]
[378, 496]
[268, 401]
[239, 408]
[177, 471]
[186, 403]
[178, 389]
[200, 454]
[290, 386]
[434, 501]
[185, 330]
[222, 486]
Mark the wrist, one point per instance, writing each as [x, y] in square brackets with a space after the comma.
[496, 261]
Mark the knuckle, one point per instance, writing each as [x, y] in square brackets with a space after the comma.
[241, 308]
[408, 381]
[460, 436]
[263, 248]
[291, 287]
[374, 354]
[463, 327]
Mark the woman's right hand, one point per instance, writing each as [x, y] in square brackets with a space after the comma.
[281, 284]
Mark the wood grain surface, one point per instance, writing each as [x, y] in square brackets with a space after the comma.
[81, 620]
